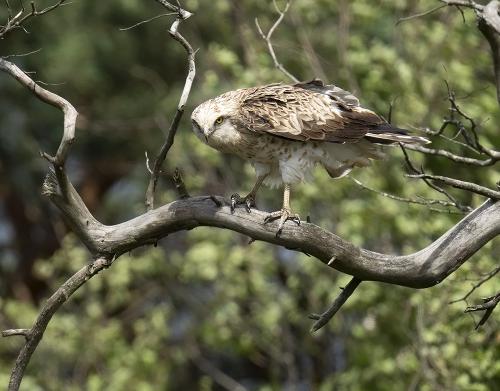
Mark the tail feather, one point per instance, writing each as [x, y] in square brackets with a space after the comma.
[391, 138]
[387, 134]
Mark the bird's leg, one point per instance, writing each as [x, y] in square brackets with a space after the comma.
[249, 199]
[285, 213]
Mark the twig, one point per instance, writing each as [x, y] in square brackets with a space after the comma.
[11, 332]
[456, 158]
[325, 317]
[464, 3]
[147, 21]
[458, 184]
[183, 14]
[421, 14]
[267, 37]
[487, 277]
[489, 304]
[414, 170]
[22, 54]
[153, 180]
[35, 334]
[17, 20]
[421, 201]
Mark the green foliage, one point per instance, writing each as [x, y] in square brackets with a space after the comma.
[144, 323]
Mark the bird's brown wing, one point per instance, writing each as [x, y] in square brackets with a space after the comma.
[306, 111]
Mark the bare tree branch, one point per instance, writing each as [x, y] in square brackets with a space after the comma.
[11, 332]
[469, 186]
[183, 14]
[153, 180]
[487, 277]
[418, 201]
[70, 114]
[422, 269]
[425, 268]
[464, 3]
[456, 158]
[414, 170]
[35, 333]
[147, 21]
[420, 14]
[17, 21]
[488, 305]
[324, 318]
[267, 37]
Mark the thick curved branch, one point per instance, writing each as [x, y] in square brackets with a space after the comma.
[422, 269]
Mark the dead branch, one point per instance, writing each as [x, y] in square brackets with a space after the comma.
[17, 21]
[456, 158]
[422, 269]
[70, 114]
[35, 333]
[488, 305]
[267, 37]
[420, 14]
[458, 184]
[487, 277]
[464, 3]
[183, 14]
[153, 180]
[324, 318]
[418, 201]
[416, 171]
[425, 268]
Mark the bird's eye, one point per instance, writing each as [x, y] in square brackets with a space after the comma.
[219, 120]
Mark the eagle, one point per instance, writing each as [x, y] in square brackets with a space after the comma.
[285, 130]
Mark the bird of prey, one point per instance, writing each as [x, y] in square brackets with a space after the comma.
[285, 130]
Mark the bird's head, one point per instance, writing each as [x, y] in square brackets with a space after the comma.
[212, 115]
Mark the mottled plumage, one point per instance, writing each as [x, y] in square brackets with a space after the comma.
[285, 130]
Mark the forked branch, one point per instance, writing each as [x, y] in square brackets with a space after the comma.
[169, 140]
[268, 39]
[17, 21]
[70, 114]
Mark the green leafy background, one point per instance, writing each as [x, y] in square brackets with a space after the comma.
[205, 304]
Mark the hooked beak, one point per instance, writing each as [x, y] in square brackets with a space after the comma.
[208, 134]
[200, 130]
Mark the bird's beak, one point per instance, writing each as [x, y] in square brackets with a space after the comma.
[208, 134]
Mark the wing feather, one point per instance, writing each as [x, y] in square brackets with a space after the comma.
[312, 111]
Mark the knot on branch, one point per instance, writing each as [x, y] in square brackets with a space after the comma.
[98, 265]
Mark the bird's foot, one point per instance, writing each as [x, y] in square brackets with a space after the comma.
[284, 215]
[248, 201]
